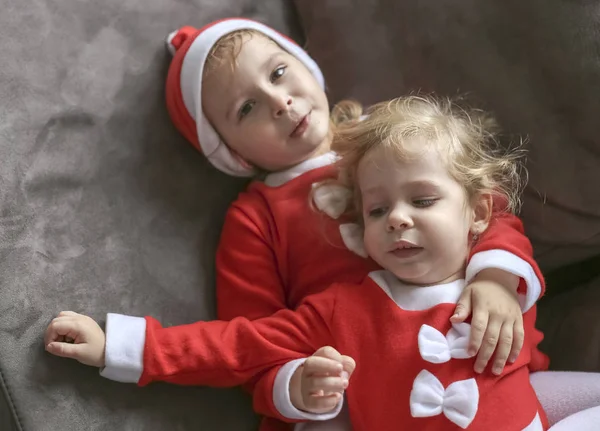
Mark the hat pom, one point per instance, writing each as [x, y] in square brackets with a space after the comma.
[178, 37]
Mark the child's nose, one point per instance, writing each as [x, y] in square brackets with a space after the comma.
[398, 220]
[281, 104]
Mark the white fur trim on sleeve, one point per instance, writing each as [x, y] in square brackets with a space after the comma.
[506, 261]
[124, 356]
[283, 403]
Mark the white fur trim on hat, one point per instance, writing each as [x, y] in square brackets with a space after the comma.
[191, 87]
[169, 40]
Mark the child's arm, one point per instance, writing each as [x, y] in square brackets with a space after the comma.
[249, 284]
[504, 246]
[248, 276]
[504, 281]
[229, 354]
[253, 289]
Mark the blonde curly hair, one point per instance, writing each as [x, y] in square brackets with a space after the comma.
[228, 47]
[466, 138]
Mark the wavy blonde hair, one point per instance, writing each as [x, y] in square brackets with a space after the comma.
[228, 47]
[466, 138]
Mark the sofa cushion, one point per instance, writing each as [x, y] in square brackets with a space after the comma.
[103, 206]
[535, 64]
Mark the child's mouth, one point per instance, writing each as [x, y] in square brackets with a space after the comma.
[301, 127]
[405, 249]
[407, 252]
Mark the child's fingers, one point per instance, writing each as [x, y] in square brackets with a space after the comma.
[68, 313]
[325, 385]
[479, 324]
[505, 343]
[316, 365]
[322, 403]
[61, 327]
[490, 340]
[463, 307]
[518, 339]
[349, 364]
[328, 352]
[66, 350]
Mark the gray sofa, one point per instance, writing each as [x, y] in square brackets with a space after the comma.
[104, 207]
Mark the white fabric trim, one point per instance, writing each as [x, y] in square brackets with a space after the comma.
[170, 46]
[436, 348]
[535, 425]
[458, 402]
[353, 236]
[281, 396]
[417, 298]
[191, 86]
[277, 179]
[125, 340]
[506, 261]
[332, 199]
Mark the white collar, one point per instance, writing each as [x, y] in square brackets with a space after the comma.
[277, 179]
[417, 298]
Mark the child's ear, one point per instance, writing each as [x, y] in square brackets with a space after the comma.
[482, 213]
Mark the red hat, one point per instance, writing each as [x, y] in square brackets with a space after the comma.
[190, 48]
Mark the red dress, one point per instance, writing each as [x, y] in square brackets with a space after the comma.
[276, 249]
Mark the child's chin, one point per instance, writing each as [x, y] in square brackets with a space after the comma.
[416, 275]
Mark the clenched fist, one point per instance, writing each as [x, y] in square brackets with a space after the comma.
[75, 336]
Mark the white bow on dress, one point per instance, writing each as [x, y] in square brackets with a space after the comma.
[437, 348]
[458, 402]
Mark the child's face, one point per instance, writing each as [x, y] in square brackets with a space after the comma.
[416, 217]
[268, 108]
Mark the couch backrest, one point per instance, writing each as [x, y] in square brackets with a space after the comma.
[534, 63]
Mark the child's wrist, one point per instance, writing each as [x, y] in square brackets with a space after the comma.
[295, 389]
[101, 363]
[504, 278]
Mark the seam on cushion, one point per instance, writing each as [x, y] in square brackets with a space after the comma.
[9, 401]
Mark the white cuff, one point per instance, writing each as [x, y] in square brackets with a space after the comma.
[124, 355]
[170, 46]
[283, 403]
[506, 261]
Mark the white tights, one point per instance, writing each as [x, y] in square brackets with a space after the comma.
[570, 399]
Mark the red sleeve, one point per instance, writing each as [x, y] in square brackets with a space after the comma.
[505, 246]
[262, 395]
[223, 354]
[248, 282]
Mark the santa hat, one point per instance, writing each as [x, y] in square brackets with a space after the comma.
[190, 48]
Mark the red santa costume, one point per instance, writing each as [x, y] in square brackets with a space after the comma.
[275, 250]
[413, 370]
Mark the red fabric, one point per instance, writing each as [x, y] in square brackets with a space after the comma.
[506, 232]
[179, 114]
[359, 319]
[275, 250]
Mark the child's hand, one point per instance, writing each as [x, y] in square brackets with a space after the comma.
[76, 336]
[497, 320]
[317, 386]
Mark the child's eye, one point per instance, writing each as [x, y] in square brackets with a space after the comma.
[424, 203]
[246, 109]
[377, 212]
[278, 73]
